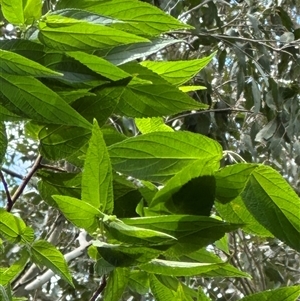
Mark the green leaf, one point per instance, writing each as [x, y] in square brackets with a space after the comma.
[45, 254]
[99, 65]
[81, 214]
[156, 98]
[116, 284]
[225, 270]
[10, 273]
[111, 135]
[274, 204]
[178, 268]
[284, 293]
[190, 191]
[14, 229]
[3, 142]
[178, 72]
[63, 183]
[183, 291]
[26, 48]
[29, 98]
[13, 63]
[60, 142]
[106, 97]
[237, 212]
[149, 125]
[143, 18]
[123, 54]
[83, 15]
[126, 197]
[186, 89]
[66, 34]
[97, 174]
[21, 11]
[125, 255]
[158, 156]
[192, 232]
[231, 180]
[136, 235]
[161, 291]
[6, 115]
[139, 282]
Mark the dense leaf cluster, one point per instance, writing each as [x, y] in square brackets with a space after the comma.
[147, 198]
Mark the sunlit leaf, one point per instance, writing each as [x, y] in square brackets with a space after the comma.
[116, 284]
[158, 156]
[10, 273]
[274, 204]
[284, 293]
[149, 125]
[29, 98]
[81, 214]
[65, 34]
[45, 254]
[178, 72]
[97, 174]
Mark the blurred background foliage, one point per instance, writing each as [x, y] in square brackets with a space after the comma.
[253, 93]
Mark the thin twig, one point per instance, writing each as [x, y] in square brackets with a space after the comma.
[99, 290]
[9, 201]
[22, 186]
[210, 111]
[194, 8]
[12, 173]
[51, 167]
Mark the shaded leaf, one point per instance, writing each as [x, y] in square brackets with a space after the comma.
[60, 142]
[13, 63]
[192, 232]
[3, 142]
[123, 54]
[26, 48]
[156, 98]
[125, 255]
[190, 191]
[63, 183]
